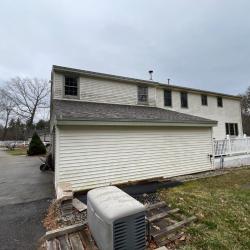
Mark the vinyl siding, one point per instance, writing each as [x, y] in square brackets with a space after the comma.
[230, 112]
[103, 91]
[58, 85]
[99, 156]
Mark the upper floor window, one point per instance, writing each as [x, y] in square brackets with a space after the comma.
[204, 100]
[142, 94]
[70, 86]
[167, 98]
[219, 101]
[232, 129]
[184, 100]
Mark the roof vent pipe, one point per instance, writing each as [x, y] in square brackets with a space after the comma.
[168, 81]
[150, 74]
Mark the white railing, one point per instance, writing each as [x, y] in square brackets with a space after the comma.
[232, 146]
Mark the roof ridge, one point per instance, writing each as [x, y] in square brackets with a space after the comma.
[136, 80]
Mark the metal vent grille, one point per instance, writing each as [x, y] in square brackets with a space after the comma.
[129, 232]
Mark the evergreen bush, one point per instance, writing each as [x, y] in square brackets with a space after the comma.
[36, 147]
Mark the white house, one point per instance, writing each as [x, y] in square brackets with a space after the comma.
[111, 129]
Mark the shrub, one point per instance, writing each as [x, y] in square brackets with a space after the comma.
[36, 147]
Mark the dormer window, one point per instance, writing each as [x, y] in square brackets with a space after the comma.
[142, 94]
[71, 86]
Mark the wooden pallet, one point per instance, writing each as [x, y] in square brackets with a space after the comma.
[164, 222]
[70, 238]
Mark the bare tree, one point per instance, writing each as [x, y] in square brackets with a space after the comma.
[245, 110]
[28, 95]
[6, 109]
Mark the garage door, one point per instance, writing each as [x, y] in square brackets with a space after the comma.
[90, 157]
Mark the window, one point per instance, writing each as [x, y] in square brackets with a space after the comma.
[167, 97]
[184, 100]
[204, 100]
[71, 86]
[142, 94]
[232, 129]
[219, 101]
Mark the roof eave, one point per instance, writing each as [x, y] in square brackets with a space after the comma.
[127, 122]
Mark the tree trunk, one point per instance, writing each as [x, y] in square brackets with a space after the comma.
[5, 129]
[30, 122]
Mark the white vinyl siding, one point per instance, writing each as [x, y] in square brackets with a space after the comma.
[229, 113]
[90, 157]
[58, 86]
[92, 89]
[103, 91]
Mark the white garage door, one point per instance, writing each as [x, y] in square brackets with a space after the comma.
[89, 157]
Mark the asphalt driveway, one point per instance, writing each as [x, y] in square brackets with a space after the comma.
[25, 193]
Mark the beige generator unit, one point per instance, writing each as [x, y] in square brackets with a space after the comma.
[116, 220]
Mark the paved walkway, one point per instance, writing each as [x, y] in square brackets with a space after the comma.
[25, 192]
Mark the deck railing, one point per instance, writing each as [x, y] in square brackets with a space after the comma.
[232, 146]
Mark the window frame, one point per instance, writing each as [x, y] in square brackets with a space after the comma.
[169, 98]
[219, 101]
[230, 126]
[202, 100]
[181, 98]
[64, 87]
[145, 102]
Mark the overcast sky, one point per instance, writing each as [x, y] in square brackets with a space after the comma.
[196, 43]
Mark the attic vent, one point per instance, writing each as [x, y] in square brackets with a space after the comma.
[129, 232]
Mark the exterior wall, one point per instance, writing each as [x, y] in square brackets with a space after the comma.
[230, 112]
[89, 157]
[103, 91]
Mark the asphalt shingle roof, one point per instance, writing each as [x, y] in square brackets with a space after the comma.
[78, 110]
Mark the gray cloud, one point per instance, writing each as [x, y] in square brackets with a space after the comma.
[202, 44]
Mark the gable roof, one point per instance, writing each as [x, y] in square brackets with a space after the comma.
[71, 110]
[87, 73]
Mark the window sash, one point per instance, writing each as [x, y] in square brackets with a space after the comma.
[184, 100]
[204, 100]
[219, 101]
[236, 129]
[167, 98]
[142, 94]
[232, 129]
[70, 86]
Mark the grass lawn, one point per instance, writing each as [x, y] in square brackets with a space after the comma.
[222, 205]
[17, 151]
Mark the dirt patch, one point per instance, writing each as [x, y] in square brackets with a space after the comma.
[52, 219]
